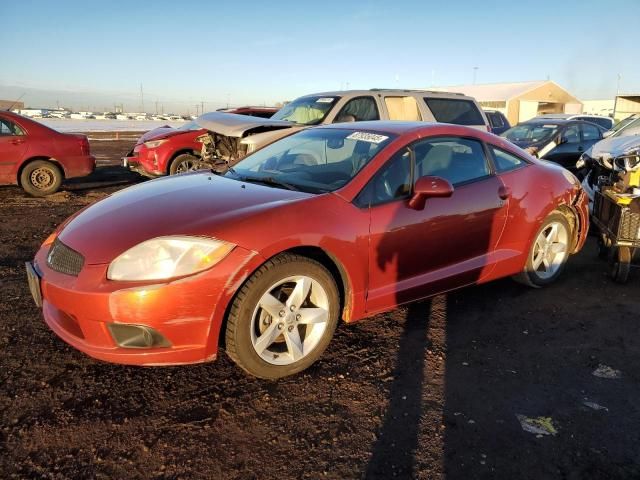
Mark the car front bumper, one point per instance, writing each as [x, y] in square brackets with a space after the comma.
[186, 313]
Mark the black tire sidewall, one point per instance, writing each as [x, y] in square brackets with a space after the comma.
[529, 270]
[244, 306]
[25, 178]
[178, 160]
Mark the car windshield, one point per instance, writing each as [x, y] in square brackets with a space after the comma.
[189, 126]
[306, 110]
[531, 132]
[315, 161]
[624, 122]
[630, 128]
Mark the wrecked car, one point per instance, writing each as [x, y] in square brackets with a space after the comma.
[230, 137]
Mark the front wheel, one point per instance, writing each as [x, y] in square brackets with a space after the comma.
[184, 163]
[549, 252]
[40, 178]
[283, 318]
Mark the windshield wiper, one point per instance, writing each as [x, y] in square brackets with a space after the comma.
[268, 181]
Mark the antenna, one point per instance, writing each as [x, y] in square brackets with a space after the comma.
[14, 103]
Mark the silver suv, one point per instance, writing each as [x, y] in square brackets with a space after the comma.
[230, 137]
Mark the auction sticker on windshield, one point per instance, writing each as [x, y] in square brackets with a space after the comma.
[367, 137]
[325, 100]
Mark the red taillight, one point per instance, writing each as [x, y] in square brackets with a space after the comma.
[84, 146]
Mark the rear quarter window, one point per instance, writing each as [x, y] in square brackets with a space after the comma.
[459, 112]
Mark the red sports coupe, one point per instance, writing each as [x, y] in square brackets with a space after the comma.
[38, 158]
[341, 221]
[167, 151]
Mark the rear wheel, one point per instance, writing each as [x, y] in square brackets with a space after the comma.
[620, 264]
[549, 252]
[283, 318]
[184, 163]
[40, 178]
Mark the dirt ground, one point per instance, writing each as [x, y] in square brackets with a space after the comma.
[429, 391]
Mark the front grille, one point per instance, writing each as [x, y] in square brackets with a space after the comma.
[64, 260]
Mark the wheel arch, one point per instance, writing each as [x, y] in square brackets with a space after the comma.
[574, 221]
[326, 259]
[24, 164]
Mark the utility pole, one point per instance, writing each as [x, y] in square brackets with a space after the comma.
[475, 73]
[156, 106]
[618, 84]
[202, 107]
[197, 107]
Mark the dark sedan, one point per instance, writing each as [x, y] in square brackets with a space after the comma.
[559, 141]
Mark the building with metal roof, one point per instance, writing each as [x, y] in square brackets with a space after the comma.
[520, 101]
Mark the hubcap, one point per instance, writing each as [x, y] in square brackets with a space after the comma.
[289, 320]
[186, 166]
[42, 178]
[550, 250]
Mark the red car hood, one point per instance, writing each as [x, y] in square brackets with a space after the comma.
[155, 133]
[195, 204]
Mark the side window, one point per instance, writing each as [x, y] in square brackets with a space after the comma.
[506, 161]
[589, 132]
[392, 182]
[495, 119]
[458, 160]
[8, 128]
[359, 109]
[403, 108]
[460, 112]
[571, 135]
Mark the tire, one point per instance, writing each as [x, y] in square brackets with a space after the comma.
[620, 264]
[40, 178]
[183, 163]
[269, 336]
[545, 263]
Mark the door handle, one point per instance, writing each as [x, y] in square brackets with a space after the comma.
[504, 192]
[580, 148]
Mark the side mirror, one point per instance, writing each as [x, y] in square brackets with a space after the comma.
[560, 140]
[429, 187]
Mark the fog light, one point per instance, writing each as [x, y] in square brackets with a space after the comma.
[136, 336]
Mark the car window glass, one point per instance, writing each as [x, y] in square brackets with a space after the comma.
[495, 119]
[455, 159]
[9, 128]
[571, 135]
[358, 110]
[506, 161]
[392, 182]
[590, 132]
[402, 108]
[460, 112]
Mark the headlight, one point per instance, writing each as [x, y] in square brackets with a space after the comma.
[154, 143]
[168, 257]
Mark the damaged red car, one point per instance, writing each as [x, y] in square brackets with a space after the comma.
[335, 222]
[167, 151]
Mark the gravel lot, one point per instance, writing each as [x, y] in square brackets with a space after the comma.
[429, 391]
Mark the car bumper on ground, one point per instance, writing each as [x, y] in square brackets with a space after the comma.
[170, 323]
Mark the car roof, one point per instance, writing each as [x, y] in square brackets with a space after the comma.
[568, 116]
[399, 91]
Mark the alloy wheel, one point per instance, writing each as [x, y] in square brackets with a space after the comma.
[289, 320]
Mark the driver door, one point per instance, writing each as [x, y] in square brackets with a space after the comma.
[418, 253]
[13, 147]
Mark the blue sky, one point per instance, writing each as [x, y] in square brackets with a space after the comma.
[262, 52]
